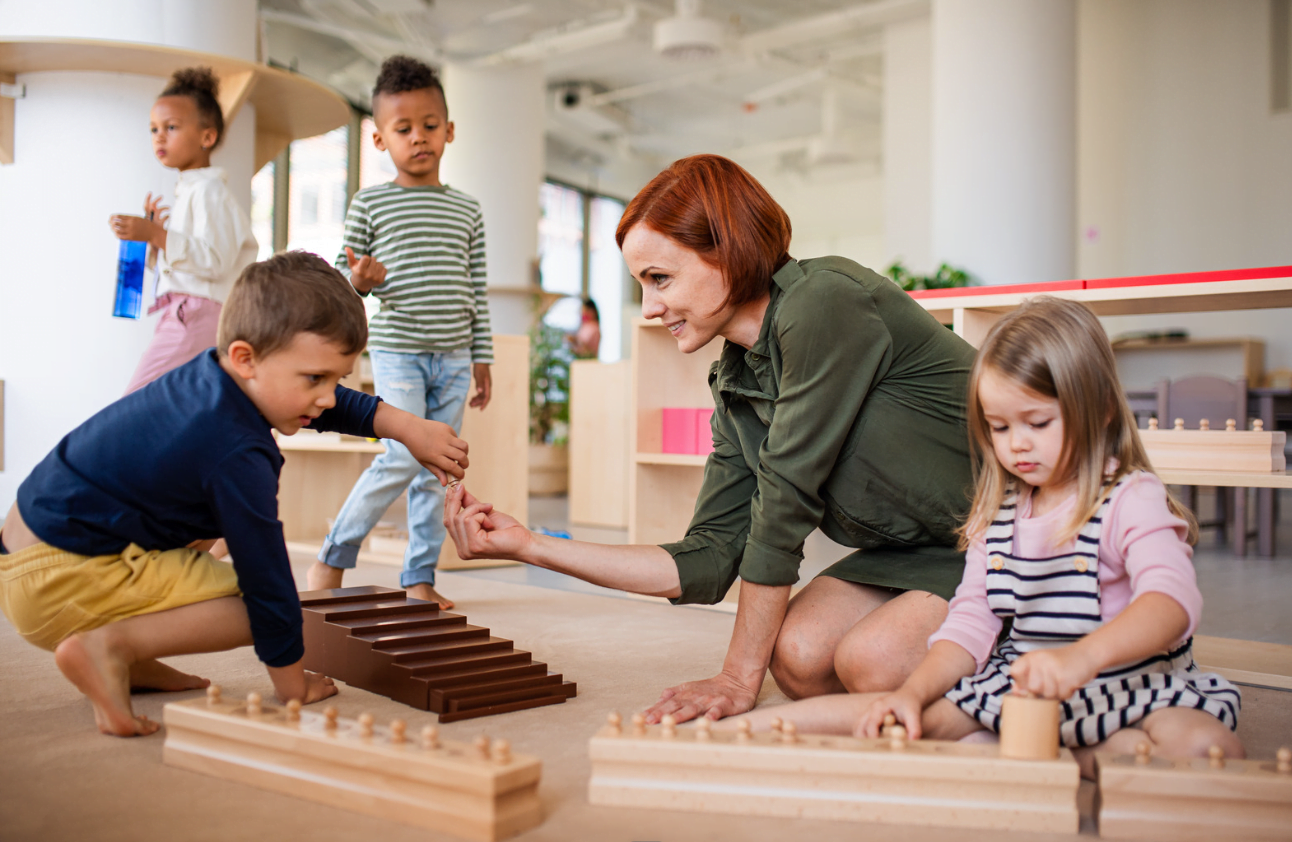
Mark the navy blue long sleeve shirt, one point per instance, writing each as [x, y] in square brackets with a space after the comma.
[186, 458]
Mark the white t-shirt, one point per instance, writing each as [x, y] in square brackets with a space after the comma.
[208, 238]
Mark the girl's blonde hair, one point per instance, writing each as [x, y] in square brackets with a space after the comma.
[1057, 348]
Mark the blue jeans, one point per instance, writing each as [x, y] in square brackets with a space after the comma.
[432, 386]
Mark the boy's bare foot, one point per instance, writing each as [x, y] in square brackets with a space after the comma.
[429, 594]
[322, 577]
[89, 661]
[154, 675]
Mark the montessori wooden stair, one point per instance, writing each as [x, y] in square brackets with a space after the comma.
[382, 641]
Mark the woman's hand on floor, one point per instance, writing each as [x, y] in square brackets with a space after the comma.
[722, 695]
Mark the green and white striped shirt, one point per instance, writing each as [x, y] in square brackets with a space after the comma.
[431, 241]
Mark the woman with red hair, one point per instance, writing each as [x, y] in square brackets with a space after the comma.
[839, 404]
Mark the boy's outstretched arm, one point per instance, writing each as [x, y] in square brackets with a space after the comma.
[945, 664]
[432, 443]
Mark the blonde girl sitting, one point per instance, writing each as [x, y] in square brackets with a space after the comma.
[1075, 539]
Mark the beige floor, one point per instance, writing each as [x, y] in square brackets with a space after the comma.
[60, 780]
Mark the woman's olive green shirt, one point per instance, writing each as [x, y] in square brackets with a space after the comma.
[848, 413]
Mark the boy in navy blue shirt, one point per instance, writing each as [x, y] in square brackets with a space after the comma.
[103, 555]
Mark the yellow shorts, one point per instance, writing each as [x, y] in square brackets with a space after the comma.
[50, 594]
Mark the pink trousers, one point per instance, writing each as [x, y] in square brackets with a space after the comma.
[186, 328]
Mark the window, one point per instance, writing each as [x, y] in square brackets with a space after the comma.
[578, 258]
[375, 166]
[262, 210]
[317, 190]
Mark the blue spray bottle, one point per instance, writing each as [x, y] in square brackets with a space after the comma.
[131, 259]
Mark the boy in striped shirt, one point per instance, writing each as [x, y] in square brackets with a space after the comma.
[419, 246]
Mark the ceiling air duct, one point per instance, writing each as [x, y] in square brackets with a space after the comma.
[687, 35]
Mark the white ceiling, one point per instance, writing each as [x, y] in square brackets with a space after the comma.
[789, 72]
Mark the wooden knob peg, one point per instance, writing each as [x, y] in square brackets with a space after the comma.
[501, 752]
[897, 737]
[430, 737]
[639, 724]
[1179, 423]
[744, 731]
[482, 746]
[398, 731]
[789, 733]
[616, 722]
[777, 723]
[1216, 757]
[1284, 758]
[889, 722]
[668, 726]
[1258, 425]
[703, 730]
[294, 710]
[329, 718]
[253, 704]
[366, 721]
[213, 694]
[1204, 424]
[1143, 754]
[1152, 423]
[1230, 425]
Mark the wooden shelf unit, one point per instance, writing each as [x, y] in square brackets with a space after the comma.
[663, 487]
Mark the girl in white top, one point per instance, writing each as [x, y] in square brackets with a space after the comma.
[208, 241]
[1074, 539]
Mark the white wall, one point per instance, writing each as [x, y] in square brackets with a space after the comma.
[1181, 165]
[835, 210]
[63, 356]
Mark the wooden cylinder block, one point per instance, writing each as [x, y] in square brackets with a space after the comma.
[1029, 728]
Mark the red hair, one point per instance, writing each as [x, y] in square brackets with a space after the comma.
[712, 206]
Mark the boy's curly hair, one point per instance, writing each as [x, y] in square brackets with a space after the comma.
[201, 85]
[405, 73]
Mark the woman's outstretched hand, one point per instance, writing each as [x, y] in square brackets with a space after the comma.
[480, 532]
[717, 697]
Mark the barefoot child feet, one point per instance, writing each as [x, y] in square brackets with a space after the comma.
[100, 558]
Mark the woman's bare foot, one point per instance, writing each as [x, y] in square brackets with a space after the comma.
[322, 577]
[429, 594]
[154, 675]
[90, 661]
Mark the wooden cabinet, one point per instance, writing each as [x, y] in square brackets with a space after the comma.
[600, 450]
[662, 487]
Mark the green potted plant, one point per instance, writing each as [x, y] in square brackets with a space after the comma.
[549, 409]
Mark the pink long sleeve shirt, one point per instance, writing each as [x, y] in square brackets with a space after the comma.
[1142, 549]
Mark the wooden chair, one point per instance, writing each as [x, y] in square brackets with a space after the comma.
[1217, 399]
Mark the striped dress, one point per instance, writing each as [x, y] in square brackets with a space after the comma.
[1054, 602]
[431, 241]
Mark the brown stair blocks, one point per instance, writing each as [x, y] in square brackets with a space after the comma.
[382, 641]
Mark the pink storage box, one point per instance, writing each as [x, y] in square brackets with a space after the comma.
[679, 430]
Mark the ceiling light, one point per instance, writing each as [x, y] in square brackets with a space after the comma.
[687, 35]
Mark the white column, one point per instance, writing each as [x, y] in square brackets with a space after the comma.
[1004, 138]
[497, 157]
[63, 356]
[908, 153]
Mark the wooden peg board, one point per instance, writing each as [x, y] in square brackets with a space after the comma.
[943, 784]
[451, 788]
[1216, 450]
[1190, 801]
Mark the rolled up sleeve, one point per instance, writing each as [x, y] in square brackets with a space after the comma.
[708, 557]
